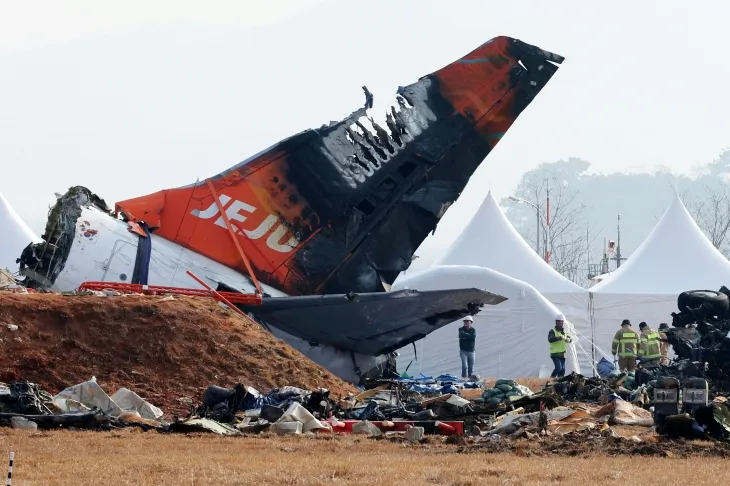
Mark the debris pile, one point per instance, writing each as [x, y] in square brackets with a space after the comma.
[388, 408]
[55, 339]
[699, 336]
[428, 385]
[25, 405]
[505, 391]
[241, 409]
[165, 349]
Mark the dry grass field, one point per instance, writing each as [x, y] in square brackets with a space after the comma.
[134, 457]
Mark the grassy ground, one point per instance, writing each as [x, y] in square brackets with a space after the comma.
[133, 457]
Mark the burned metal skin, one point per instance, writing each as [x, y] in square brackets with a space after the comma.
[42, 262]
[342, 208]
[349, 334]
[699, 339]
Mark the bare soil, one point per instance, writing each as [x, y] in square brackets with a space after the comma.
[165, 350]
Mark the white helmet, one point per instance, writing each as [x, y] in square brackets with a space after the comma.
[560, 317]
[469, 318]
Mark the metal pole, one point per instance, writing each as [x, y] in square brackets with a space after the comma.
[547, 224]
[618, 242]
[588, 252]
[537, 238]
[10, 469]
[537, 213]
[593, 332]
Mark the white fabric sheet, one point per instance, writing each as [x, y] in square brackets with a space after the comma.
[511, 337]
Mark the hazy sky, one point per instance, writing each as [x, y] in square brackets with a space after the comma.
[131, 97]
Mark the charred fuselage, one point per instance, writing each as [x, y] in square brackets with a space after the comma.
[344, 207]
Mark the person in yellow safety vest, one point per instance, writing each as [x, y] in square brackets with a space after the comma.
[625, 346]
[649, 352]
[558, 340]
[663, 344]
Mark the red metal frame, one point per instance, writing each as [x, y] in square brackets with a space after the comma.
[241, 253]
[231, 297]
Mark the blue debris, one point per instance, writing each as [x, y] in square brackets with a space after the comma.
[604, 368]
[442, 384]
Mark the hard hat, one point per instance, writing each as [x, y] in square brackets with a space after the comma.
[469, 318]
[642, 325]
[626, 322]
[560, 317]
[663, 325]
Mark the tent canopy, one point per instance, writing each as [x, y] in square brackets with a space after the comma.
[675, 257]
[14, 236]
[490, 241]
[511, 336]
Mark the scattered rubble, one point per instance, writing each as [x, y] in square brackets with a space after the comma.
[193, 342]
[165, 351]
[699, 337]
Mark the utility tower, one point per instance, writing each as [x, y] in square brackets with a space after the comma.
[611, 253]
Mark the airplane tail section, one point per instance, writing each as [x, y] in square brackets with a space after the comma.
[342, 208]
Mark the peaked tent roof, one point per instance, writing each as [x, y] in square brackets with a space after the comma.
[14, 235]
[490, 241]
[675, 257]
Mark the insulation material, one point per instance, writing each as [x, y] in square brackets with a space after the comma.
[297, 413]
[7, 280]
[512, 423]
[625, 413]
[577, 421]
[129, 401]
[203, 425]
[91, 395]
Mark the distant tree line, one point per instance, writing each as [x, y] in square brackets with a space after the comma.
[584, 208]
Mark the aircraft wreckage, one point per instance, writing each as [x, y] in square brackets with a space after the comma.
[325, 220]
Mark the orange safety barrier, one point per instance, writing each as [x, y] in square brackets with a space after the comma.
[231, 297]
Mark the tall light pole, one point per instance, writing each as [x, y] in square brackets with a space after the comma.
[537, 212]
[547, 223]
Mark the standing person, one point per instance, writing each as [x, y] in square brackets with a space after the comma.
[663, 345]
[467, 340]
[649, 351]
[625, 346]
[558, 346]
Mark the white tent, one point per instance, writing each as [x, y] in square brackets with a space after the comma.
[511, 336]
[675, 257]
[490, 241]
[14, 236]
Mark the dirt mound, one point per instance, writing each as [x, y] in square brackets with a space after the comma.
[165, 350]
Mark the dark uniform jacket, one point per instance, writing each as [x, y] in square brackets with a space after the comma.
[467, 338]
